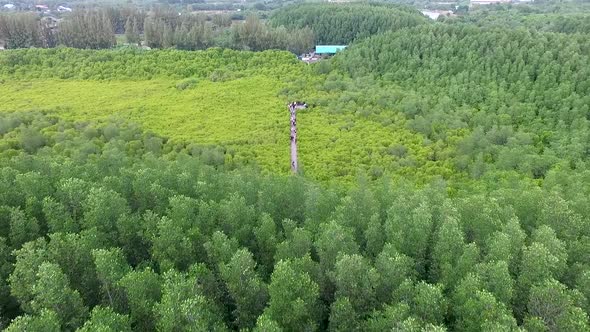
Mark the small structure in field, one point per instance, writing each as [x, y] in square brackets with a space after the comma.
[310, 57]
[321, 52]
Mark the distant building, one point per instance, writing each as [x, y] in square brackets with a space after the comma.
[431, 14]
[310, 58]
[489, 2]
[63, 9]
[9, 6]
[435, 14]
[328, 49]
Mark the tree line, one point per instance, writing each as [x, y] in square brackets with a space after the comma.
[81, 29]
[195, 32]
[344, 23]
[138, 64]
[161, 27]
[536, 18]
[26, 30]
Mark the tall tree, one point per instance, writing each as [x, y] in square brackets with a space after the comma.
[294, 299]
[47, 320]
[356, 280]
[111, 267]
[142, 291]
[131, 33]
[552, 303]
[182, 308]
[105, 319]
[246, 288]
[51, 291]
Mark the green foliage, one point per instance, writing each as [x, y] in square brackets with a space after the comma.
[254, 35]
[478, 310]
[47, 320]
[24, 274]
[52, 292]
[138, 64]
[105, 319]
[447, 252]
[22, 228]
[245, 287]
[294, 298]
[429, 303]
[111, 267]
[534, 18]
[232, 248]
[514, 123]
[247, 88]
[181, 308]
[452, 188]
[343, 316]
[187, 84]
[87, 29]
[142, 291]
[265, 324]
[552, 304]
[24, 30]
[344, 23]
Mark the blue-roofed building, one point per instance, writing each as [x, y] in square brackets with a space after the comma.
[328, 49]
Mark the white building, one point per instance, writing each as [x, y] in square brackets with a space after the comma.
[431, 14]
[63, 9]
[488, 2]
[435, 14]
[9, 6]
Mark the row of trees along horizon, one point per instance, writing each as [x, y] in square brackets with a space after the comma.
[295, 28]
[162, 27]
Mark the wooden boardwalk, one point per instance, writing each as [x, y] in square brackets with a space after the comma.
[293, 107]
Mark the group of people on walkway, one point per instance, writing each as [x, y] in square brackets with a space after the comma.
[293, 106]
[296, 104]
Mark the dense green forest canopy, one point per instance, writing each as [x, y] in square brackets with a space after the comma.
[521, 93]
[159, 27]
[538, 18]
[137, 64]
[344, 23]
[185, 96]
[114, 228]
[445, 182]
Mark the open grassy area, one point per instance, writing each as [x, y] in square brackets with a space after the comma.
[244, 115]
[237, 100]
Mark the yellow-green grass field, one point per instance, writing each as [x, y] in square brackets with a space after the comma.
[244, 114]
